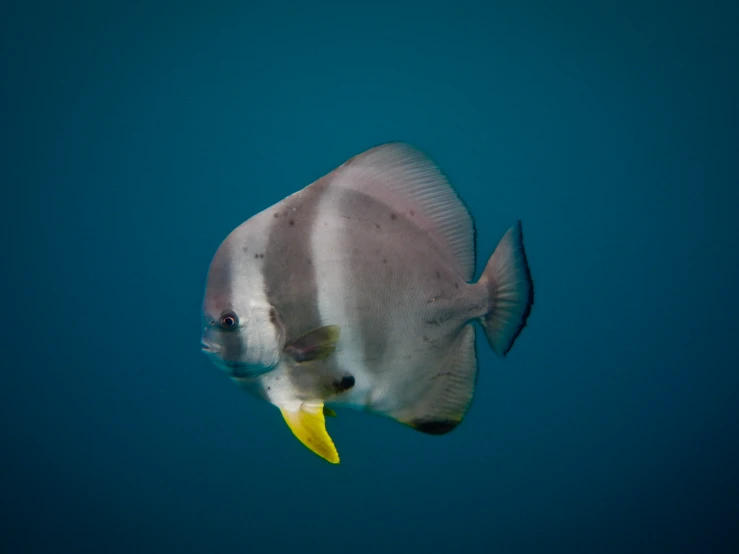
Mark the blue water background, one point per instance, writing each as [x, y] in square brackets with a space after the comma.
[136, 135]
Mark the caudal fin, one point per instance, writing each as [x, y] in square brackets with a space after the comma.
[510, 289]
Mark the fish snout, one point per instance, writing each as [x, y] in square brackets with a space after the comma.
[209, 348]
[209, 343]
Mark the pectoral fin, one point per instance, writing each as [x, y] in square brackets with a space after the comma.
[309, 425]
[314, 345]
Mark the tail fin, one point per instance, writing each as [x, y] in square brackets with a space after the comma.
[510, 289]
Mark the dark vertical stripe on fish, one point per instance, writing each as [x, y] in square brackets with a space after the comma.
[290, 276]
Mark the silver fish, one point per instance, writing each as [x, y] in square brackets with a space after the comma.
[356, 291]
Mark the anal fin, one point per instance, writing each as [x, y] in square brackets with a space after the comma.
[445, 391]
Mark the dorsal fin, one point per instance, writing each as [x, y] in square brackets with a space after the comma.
[408, 181]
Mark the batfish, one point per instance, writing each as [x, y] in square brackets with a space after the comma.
[357, 291]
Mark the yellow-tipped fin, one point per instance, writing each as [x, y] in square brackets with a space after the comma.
[309, 425]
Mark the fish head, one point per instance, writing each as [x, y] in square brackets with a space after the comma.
[225, 339]
[239, 331]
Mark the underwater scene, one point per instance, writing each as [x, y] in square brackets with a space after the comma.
[370, 277]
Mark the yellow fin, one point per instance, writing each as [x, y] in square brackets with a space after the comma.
[309, 425]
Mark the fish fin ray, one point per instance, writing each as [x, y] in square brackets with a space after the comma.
[314, 345]
[406, 179]
[511, 291]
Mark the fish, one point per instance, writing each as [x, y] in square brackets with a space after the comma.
[358, 291]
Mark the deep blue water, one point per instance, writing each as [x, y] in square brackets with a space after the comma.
[136, 136]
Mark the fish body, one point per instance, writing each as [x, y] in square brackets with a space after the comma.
[357, 291]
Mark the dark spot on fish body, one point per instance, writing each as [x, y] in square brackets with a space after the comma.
[273, 316]
[384, 261]
[377, 225]
[345, 383]
[435, 427]
[438, 275]
[412, 212]
[277, 215]
[393, 217]
[456, 285]
[256, 256]
[292, 222]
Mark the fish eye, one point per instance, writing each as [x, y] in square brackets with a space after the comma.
[229, 321]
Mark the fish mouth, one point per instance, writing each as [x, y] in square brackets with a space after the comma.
[209, 349]
[233, 368]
